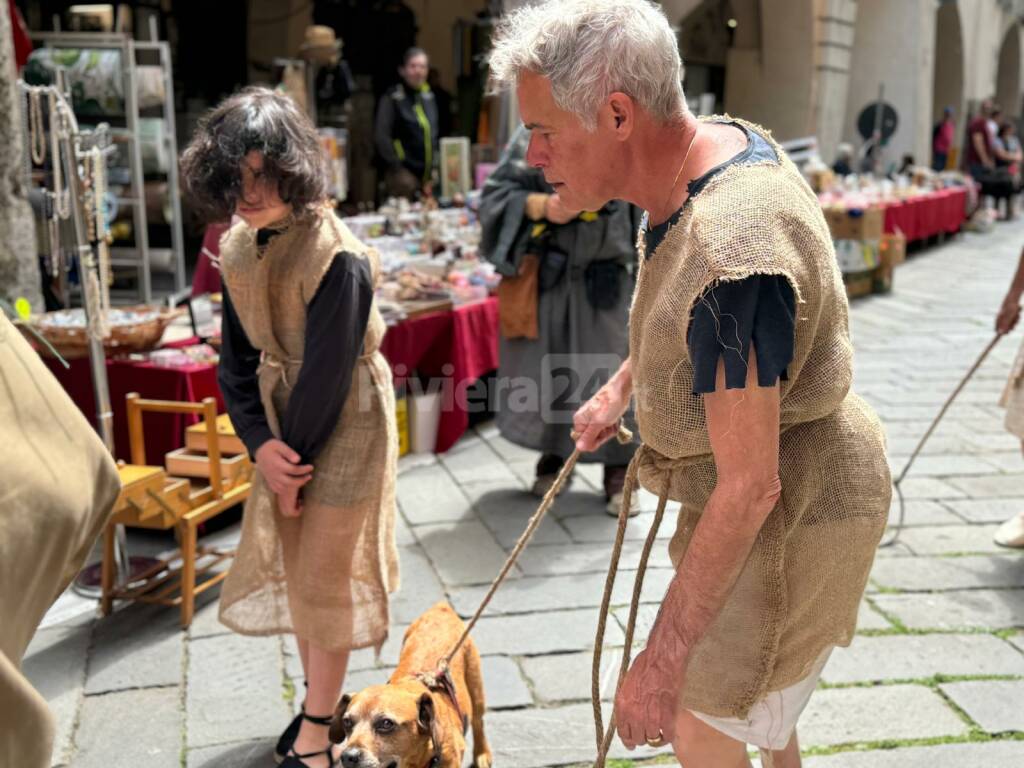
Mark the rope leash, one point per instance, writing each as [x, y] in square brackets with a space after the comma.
[624, 436]
[898, 528]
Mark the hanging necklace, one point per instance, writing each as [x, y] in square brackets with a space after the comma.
[36, 133]
[62, 197]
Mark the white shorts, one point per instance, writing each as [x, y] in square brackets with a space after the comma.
[771, 721]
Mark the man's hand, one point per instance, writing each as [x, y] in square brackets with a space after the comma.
[597, 420]
[1006, 320]
[280, 468]
[556, 212]
[646, 705]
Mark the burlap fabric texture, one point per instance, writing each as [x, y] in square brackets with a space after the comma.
[801, 586]
[58, 485]
[1012, 398]
[324, 575]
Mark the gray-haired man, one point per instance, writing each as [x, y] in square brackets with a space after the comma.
[744, 407]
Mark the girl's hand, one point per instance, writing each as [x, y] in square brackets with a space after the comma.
[280, 468]
[289, 503]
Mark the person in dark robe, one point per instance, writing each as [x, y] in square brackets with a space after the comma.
[581, 263]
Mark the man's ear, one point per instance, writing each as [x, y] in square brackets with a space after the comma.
[623, 113]
[426, 712]
[337, 732]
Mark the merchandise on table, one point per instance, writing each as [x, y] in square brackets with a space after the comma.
[134, 329]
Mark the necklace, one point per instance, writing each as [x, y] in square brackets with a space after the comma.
[646, 222]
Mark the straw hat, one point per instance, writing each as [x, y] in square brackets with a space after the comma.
[321, 44]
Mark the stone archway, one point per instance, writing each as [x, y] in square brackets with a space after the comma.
[948, 83]
[1008, 78]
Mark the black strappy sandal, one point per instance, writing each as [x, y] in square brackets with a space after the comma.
[284, 744]
[295, 760]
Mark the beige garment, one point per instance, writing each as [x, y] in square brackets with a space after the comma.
[326, 575]
[57, 487]
[1012, 398]
[801, 586]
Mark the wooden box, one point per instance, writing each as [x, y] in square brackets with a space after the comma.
[195, 436]
[855, 225]
[859, 283]
[185, 462]
[893, 249]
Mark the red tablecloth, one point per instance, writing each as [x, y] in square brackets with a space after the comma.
[453, 349]
[941, 212]
[164, 432]
[456, 348]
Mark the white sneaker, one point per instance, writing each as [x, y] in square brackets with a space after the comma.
[615, 504]
[1011, 533]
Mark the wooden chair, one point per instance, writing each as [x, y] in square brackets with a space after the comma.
[151, 499]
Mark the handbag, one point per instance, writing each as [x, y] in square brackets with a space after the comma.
[517, 300]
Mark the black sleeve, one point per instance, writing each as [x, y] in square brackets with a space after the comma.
[336, 321]
[238, 381]
[728, 317]
[383, 134]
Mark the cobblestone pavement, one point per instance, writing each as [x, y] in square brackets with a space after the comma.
[934, 678]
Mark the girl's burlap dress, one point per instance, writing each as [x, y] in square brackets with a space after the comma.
[325, 575]
[801, 586]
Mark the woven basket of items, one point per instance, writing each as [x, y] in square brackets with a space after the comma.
[132, 329]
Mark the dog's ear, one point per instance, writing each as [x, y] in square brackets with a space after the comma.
[337, 732]
[426, 713]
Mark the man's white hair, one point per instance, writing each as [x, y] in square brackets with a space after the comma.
[590, 49]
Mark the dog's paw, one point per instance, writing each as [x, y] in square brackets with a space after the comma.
[485, 760]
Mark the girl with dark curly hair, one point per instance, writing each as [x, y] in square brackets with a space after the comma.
[309, 394]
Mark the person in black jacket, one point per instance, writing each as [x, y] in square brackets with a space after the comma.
[406, 134]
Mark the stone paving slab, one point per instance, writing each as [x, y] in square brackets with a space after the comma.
[419, 587]
[532, 593]
[996, 705]
[869, 618]
[989, 486]
[430, 495]
[55, 663]
[205, 622]
[539, 738]
[951, 539]
[471, 464]
[601, 529]
[929, 574]
[541, 633]
[943, 466]
[234, 690]
[573, 559]
[463, 553]
[136, 647]
[970, 609]
[506, 512]
[504, 685]
[1010, 462]
[916, 657]
[364, 658]
[130, 729]
[244, 754]
[999, 754]
[850, 715]
[987, 510]
[930, 488]
[566, 677]
[923, 512]
[1018, 640]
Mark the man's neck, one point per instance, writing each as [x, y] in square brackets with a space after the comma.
[654, 177]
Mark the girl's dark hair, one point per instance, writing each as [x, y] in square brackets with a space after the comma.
[254, 119]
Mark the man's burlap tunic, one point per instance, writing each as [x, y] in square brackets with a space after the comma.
[801, 586]
[324, 575]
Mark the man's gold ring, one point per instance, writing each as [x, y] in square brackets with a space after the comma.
[658, 742]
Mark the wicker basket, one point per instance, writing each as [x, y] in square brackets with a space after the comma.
[72, 342]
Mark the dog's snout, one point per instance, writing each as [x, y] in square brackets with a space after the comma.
[351, 758]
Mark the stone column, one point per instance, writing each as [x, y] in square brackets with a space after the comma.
[19, 261]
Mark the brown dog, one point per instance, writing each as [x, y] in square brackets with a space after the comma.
[415, 721]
